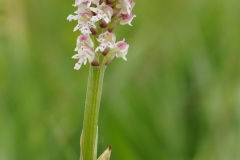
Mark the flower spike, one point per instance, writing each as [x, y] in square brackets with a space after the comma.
[96, 21]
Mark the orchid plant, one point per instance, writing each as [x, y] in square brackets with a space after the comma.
[97, 45]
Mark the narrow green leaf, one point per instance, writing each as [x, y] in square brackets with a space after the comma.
[106, 154]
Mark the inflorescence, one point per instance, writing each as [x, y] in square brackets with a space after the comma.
[96, 21]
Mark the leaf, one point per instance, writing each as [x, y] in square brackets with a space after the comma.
[81, 157]
[106, 154]
[95, 147]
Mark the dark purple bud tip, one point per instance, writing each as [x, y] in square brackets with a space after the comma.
[109, 1]
[105, 52]
[94, 32]
[95, 63]
[110, 30]
[94, 14]
[103, 24]
[109, 148]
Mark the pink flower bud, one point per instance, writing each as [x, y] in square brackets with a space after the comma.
[84, 40]
[127, 19]
[122, 49]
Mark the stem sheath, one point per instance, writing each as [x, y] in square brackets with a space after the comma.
[92, 105]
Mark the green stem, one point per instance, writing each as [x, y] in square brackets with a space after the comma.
[92, 105]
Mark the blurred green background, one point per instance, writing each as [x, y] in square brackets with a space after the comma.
[176, 98]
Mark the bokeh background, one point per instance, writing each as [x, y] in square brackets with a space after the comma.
[176, 98]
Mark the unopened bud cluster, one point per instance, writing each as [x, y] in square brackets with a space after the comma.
[96, 21]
